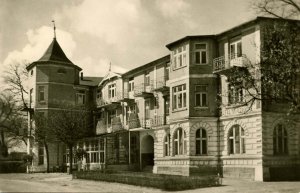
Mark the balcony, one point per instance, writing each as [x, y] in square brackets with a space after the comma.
[159, 121]
[147, 123]
[108, 103]
[225, 66]
[114, 126]
[125, 97]
[143, 90]
[160, 85]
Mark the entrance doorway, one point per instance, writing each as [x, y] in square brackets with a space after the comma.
[147, 151]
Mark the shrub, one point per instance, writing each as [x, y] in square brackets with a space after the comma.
[165, 182]
[12, 167]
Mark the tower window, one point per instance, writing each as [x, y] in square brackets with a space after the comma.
[41, 93]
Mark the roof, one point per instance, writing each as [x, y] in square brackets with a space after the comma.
[242, 25]
[90, 81]
[54, 54]
[109, 76]
[188, 38]
[145, 66]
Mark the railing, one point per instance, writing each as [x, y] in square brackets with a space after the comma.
[142, 88]
[222, 63]
[156, 121]
[116, 124]
[161, 82]
[102, 102]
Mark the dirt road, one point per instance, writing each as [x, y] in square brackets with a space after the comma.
[57, 182]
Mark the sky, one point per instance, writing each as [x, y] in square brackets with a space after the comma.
[125, 33]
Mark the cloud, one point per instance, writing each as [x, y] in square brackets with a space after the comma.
[99, 68]
[109, 20]
[172, 8]
[38, 41]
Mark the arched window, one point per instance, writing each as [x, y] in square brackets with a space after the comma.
[167, 145]
[280, 143]
[180, 142]
[236, 140]
[201, 142]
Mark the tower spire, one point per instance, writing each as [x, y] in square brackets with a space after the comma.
[54, 28]
[109, 67]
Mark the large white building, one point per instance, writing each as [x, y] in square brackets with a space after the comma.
[164, 116]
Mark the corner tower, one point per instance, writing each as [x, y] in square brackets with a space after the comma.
[52, 82]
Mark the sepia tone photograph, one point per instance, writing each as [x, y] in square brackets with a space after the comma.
[142, 96]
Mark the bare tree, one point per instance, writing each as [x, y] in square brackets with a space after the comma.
[16, 77]
[278, 8]
[69, 124]
[42, 133]
[12, 123]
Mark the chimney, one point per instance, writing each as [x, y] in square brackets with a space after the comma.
[81, 75]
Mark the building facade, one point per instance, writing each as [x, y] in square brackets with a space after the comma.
[176, 115]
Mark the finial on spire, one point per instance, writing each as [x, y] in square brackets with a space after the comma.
[54, 28]
[109, 67]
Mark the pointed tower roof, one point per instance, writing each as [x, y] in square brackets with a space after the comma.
[55, 53]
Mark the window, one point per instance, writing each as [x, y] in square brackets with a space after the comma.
[102, 150]
[41, 154]
[167, 105]
[235, 94]
[179, 97]
[200, 54]
[147, 79]
[110, 116]
[99, 94]
[179, 142]
[167, 72]
[179, 57]
[147, 108]
[236, 140]
[235, 49]
[31, 98]
[41, 93]
[94, 152]
[111, 91]
[31, 72]
[131, 84]
[80, 98]
[201, 142]
[167, 145]
[280, 142]
[201, 96]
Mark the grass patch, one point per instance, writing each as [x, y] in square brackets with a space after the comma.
[164, 182]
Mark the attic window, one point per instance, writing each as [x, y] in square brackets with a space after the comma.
[61, 71]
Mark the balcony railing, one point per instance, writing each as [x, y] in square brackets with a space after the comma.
[160, 84]
[106, 102]
[125, 97]
[113, 126]
[143, 90]
[116, 124]
[234, 60]
[136, 122]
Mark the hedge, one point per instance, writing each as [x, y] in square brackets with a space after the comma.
[165, 182]
[12, 167]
